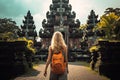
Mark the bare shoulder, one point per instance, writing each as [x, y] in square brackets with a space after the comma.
[65, 48]
[50, 50]
[50, 47]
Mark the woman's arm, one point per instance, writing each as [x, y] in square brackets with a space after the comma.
[66, 55]
[48, 61]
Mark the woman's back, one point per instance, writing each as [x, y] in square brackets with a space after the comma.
[57, 46]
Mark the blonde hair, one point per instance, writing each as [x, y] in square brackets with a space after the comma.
[57, 42]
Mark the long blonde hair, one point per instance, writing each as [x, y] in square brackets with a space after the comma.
[57, 42]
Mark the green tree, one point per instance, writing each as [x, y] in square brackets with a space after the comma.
[7, 26]
[117, 29]
[107, 23]
[83, 28]
[110, 10]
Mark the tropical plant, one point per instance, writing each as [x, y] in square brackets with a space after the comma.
[116, 11]
[117, 29]
[107, 23]
[94, 48]
[7, 25]
[30, 44]
[7, 36]
[83, 27]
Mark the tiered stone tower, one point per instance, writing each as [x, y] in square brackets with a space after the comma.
[92, 21]
[28, 29]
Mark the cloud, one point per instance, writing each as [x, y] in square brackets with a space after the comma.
[38, 20]
[17, 9]
[10, 8]
[82, 9]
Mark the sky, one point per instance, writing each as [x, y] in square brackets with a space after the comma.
[17, 9]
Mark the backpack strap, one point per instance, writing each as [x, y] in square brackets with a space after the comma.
[51, 54]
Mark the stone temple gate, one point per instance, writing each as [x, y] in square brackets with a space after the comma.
[60, 17]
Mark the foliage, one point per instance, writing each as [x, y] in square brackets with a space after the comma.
[7, 25]
[117, 29]
[110, 10]
[8, 29]
[94, 48]
[30, 44]
[7, 36]
[107, 23]
[83, 27]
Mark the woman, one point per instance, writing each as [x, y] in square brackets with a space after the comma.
[57, 45]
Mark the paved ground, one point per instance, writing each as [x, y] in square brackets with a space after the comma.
[76, 72]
